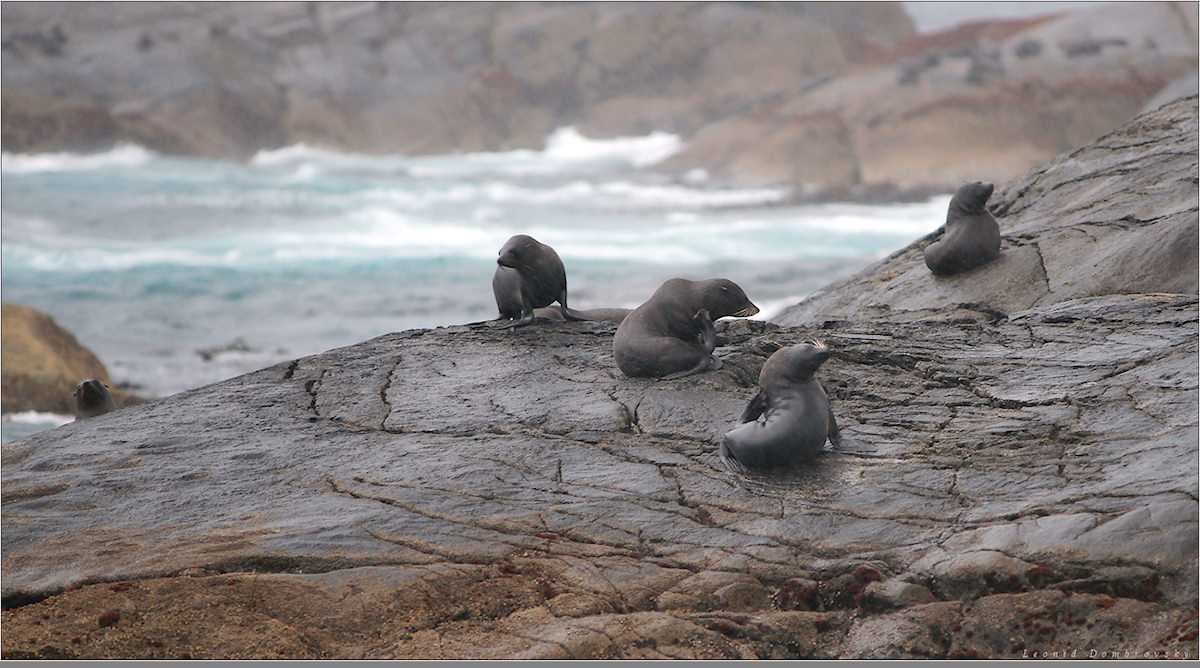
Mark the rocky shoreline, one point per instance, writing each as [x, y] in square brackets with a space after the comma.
[1015, 479]
[842, 100]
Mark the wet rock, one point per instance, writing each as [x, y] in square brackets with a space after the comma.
[1081, 226]
[896, 594]
[510, 494]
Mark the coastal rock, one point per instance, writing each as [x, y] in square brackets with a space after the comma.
[985, 101]
[43, 363]
[843, 100]
[226, 80]
[1064, 235]
[472, 492]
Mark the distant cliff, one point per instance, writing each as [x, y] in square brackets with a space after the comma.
[842, 98]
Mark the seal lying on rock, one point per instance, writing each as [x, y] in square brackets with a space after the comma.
[613, 315]
[672, 334]
[972, 236]
[798, 415]
[530, 275]
[92, 398]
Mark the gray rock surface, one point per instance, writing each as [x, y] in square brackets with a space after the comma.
[1085, 224]
[473, 492]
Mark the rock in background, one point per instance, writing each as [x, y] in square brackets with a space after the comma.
[1007, 486]
[43, 363]
[841, 98]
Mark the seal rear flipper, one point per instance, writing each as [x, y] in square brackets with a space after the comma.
[709, 362]
[567, 313]
[755, 408]
[728, 458]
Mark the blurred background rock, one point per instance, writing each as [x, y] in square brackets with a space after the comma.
[847, 100]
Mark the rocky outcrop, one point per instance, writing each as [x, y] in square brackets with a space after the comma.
[1063, 235]
[225, 80]
[982, 102]
[840, 98]
[1006, 487]
[43, 363]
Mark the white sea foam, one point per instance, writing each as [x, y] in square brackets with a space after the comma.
[38, 417]
[770, 308]
[568, 145]
[124, 155]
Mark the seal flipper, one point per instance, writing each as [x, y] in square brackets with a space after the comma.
[755, 408]
[708, 333]
[567, 313]
[835, 434]
[709, 362]
[526, 316]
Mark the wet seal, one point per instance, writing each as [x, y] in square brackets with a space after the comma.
[672, 334]
[529, 276]
[797, 416]
[92, 398]
[972, 236]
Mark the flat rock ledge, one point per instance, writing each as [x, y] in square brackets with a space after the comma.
[1018, 476]
[1010, 487]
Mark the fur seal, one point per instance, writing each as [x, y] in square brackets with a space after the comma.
[613, 315]
[798, 415]
[530, 275]
[672, 335]
[972, 236]
[92, 398]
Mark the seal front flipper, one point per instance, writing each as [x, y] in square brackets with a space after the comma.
[708, 333]
[835, 434]
[755, 408]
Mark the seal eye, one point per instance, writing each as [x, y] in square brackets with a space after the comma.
[724, 288]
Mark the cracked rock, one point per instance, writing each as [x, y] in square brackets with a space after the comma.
[476, 493]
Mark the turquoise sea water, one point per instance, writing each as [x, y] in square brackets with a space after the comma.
[180, 272]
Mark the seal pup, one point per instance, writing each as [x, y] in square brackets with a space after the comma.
[972, 236]
[798, 416]
[529, 275]
[92, 398]
[672, 334]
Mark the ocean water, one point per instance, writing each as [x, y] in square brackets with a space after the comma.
[179, 272]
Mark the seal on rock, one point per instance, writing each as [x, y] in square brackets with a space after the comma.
[92, 398]
[530, 275]
[672, 334]
[972, 236]
[798, 417]
[613, 315]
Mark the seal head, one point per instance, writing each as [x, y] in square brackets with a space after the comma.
[972, 236]
[672, 334]
[797, 418]
[92, 398]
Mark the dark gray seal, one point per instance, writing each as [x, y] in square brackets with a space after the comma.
[529, 275]
[972, 236]
[613, 315]
[92, 398]
[672, 334]
[798, 417]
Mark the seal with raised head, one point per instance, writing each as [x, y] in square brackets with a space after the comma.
[92, 398]
[672, 334]
[972, 236]
[529, 275]
[797, 416]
